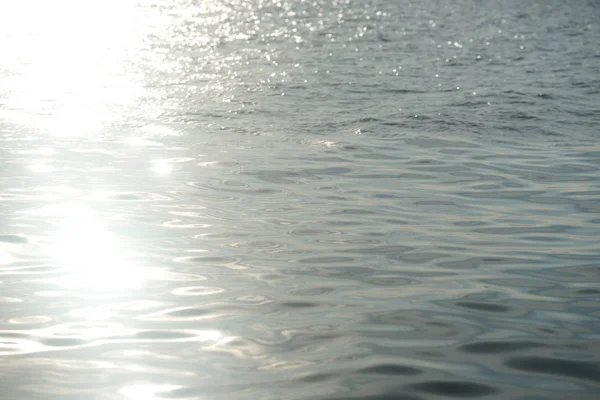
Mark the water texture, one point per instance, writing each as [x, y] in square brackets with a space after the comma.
[293, 199]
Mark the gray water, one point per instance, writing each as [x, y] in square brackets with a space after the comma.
[295, 199]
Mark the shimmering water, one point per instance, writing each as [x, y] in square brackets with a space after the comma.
[230, 199]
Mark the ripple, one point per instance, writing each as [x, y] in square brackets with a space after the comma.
[390, 369]
[455, 388]
[16, 239]
[298, 304]
[500, 347]
[197, 291]
[314, 291]
[255, 244]
[486, 307]
[387, 281]
[188, 312]
[63, 342]
[586, 370]
[163, 335]
[219, 164]
[390, 396]
[326, 260]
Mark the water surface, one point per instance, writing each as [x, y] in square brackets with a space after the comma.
[296, 199]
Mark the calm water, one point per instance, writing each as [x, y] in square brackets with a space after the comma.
[230, 199]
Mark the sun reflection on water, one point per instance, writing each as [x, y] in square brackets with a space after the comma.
[66, 62]
[91, 254]
[162, 167]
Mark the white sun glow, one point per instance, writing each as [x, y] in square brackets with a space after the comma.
[65, 63]
[90, 254]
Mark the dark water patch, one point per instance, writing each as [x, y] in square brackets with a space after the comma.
[455, 389]
[13, 335]
[63, 342]
[390, 369]
[397, 221]
[402, 91]
[16, 239]
[586, 292]
[486, 307]
[393, 395]
[384, 196]
[585, 370]
[524, 230]
[315, 378]
[425, 161]
[500, 194]
[500, 347]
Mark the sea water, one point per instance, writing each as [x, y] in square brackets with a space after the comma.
[299, 199]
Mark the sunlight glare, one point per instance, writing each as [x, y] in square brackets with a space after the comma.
[162, 168]
[41, 168]
[66, 63]
[90, 253]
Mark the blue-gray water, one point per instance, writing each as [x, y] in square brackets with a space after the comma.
[295, 199]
